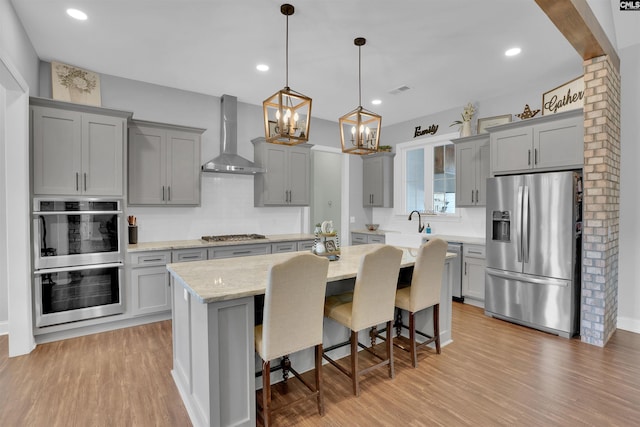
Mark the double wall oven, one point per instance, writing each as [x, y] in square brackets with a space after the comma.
[78, 259]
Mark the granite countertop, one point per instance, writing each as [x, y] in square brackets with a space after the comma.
[231, 278]
[461, 239]
[198, 243]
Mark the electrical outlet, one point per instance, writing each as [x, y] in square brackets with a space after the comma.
[352, 219]
[185, 295]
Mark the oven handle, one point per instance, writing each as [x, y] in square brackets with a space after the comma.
[76, 212]
[78, 267]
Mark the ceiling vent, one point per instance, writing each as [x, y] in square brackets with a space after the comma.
[400, 89]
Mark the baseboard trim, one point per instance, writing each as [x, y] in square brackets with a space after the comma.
[629, 324]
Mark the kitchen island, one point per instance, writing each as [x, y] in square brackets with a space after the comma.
[213, 311]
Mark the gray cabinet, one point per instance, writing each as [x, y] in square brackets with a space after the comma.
[549, 143]
[77, 150]
[217, 252]
[149, 280]
[286, 180]
[377, 180]
[365, 238]
[473, 273]
[472, 170]
[164, 164]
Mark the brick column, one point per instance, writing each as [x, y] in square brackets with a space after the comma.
[601, 207]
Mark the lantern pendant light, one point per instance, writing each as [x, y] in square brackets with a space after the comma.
[360, 128]
[287, 113]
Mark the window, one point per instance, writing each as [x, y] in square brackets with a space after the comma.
[427, 176]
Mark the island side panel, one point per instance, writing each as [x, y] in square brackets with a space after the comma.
[214, 359]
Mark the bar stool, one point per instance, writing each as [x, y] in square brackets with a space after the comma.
[370, 304]
[423, 293]
[292, 321]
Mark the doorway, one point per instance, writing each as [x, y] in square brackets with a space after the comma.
[15, 256]
[329, 185]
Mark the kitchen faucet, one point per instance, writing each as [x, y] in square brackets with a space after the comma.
[420, 226]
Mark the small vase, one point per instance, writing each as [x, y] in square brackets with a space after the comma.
[465, 129]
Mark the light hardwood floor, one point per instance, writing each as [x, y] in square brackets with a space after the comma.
[494, 373]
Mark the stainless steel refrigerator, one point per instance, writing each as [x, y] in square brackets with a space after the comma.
[534, 250]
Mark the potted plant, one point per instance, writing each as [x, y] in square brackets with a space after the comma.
[465, 124]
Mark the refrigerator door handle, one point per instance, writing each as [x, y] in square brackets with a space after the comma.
[525, 224]
[519, 224]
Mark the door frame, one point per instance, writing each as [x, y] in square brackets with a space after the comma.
[15, 197]
[344, 196]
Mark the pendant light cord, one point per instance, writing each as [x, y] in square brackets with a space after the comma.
[359, 76]
[287, 54]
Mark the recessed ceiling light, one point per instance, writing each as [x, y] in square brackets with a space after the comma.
[376, 102]
[77, 14]
[513, 51]
[262, 67]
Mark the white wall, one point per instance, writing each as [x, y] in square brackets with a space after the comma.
[226, 200]
[471, 221]
[629, 243]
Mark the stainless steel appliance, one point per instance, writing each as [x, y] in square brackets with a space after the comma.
[233, 237]
[534, 250]
[78, 259]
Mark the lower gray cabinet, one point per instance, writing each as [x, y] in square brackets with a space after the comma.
[149, 279]
[365, 238]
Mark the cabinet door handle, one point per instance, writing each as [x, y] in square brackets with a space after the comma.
[163, 193]
[535, 156]
[471, 196]
[290, 196]
[477, 199]
[77, 184]
[475, 252]
[169, 193]
[528, 157]
[465, 268]
[190, 257]
[242, 252]
[85, 181]
[152, 260]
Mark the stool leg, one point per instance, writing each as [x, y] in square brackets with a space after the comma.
[354, 363]
[319, 386]
[266, 393]
[398, 322]
[436, 326]
[412, 339]
[390, 350]
[285, 365]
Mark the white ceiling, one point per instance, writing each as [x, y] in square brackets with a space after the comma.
[446, 52]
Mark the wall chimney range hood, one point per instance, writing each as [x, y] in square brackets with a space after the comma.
[229, 161]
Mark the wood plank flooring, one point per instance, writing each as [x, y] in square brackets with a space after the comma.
[493, 374]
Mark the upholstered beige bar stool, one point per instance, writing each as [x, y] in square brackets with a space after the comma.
[292, 321]
[370, 304]
[423, 293]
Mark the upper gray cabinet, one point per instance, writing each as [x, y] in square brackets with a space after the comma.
[77, 149]
[286, 180]
[377, 180]
[164, 164]
[548, 143]
[472, 170]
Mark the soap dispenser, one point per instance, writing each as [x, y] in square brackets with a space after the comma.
[428, 229]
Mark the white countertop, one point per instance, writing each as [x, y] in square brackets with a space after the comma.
[231, 278]
[184, 244]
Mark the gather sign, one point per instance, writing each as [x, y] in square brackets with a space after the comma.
[569, 96]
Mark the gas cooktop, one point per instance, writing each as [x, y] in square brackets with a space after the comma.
[232, 237]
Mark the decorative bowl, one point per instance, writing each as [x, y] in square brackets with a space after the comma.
[372, 227]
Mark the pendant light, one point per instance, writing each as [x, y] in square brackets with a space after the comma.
[360, 129]
[287, 113]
